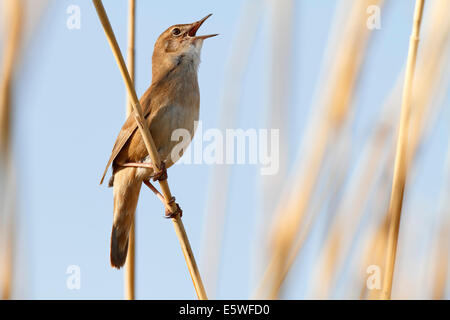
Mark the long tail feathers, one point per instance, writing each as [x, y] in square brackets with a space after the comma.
[126, 195]
[119, 247]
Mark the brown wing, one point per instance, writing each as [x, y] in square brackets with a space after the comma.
[128, 128]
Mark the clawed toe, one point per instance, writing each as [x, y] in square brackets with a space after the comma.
[178, 211]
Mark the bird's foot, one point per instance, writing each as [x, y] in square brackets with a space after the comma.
[168, 204]
[178, 211]
[161, 175]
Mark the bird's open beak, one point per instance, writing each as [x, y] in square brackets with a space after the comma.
[197, 25]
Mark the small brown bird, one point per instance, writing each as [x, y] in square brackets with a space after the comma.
[171, 102]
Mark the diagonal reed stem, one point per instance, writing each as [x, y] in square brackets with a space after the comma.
[150, 145]
[401, 158]
[130, 267]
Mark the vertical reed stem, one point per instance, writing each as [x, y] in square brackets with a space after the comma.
[401, 159]
[130, 267]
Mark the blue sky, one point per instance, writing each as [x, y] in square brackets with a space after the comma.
[70, 106]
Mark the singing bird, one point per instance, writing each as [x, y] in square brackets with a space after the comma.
[171, 102]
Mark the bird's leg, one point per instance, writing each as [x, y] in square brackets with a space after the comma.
[155, 191]
[166, 204]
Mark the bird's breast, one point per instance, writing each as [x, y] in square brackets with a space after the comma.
[169, 123]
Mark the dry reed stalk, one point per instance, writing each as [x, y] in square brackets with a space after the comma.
[13, 11]
[333, 248]
[441, 263]
[130, 266]
[14, 22]
[150, 145]
[307, 228]
[401, 160]
[440, 255]
[349, 212]
[430, 71]
[335, 106]
[8, 205]
[377, 256]
[428, 76]
[430, 87]
[216, 206]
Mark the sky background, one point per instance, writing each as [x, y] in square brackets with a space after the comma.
[70, 106]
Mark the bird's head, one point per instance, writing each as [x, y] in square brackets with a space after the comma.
[179, 44]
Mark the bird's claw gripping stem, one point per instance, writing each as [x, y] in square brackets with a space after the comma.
[170, 215]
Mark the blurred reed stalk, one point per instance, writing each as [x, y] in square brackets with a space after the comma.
[429, 75]
[150, 145]
[441, 263]
[13, 17]
[441, 244]
[346, 56]
[216, 206]
[430, 88]
[130, 266]
[349, 212]
[281, 38]
[401, 158]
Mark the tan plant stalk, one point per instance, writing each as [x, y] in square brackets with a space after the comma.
[335, 103]
[430, 68]
[348, 215]
[150, 145]
[441, 270]
[442, 244]
[429, 74]
[130, 266]
[349, 203]
[400, 168]
[377, 257]
[430, 88]
[429, 77]
[13, 12]
[13, 16]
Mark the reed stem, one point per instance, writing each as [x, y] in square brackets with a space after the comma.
[130, 267]
[13, 17]
[401, 159]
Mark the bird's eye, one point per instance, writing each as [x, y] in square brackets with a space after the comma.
[176, 32]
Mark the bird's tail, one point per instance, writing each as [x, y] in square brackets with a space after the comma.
[126, 195]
